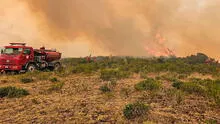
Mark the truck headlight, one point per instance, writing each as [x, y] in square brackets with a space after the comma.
[15, 67]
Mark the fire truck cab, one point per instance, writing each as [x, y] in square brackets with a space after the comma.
[18, 57]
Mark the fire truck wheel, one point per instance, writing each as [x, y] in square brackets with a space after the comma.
[31, 68]
[57, 66]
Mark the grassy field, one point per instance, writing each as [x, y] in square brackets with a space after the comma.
[115, 90]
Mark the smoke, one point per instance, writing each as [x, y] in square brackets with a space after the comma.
[124, 27]
[16, 23]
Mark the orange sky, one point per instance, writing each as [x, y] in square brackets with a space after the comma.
[124, 27]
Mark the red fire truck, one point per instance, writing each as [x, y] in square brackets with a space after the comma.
[17, 57]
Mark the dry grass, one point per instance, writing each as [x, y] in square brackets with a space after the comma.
[79, 100]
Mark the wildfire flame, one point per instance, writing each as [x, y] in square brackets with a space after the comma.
[159, 49]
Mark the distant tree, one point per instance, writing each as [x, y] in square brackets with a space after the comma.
[197, 59]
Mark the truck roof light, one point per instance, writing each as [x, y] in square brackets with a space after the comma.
[22, 44]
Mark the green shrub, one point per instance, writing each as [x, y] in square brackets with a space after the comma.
[135, 110]
[207, 87]
[190, 87]
[213, 90]
[109, 74]
[54, 79]
[177, 84]
[26, 80]
[85, 68]
[193, 88]
[105, 88]
[148, 84]
[12, 92]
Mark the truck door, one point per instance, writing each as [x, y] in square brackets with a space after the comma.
[28, 55]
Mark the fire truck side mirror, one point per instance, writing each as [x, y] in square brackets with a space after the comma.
[27, 52]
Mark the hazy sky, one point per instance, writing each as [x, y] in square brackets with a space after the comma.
[118, 27]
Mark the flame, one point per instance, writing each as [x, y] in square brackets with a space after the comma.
[159, 49]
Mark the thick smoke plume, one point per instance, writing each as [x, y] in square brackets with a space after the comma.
[127, 27]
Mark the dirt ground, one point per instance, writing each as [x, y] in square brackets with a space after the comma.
[81, 101]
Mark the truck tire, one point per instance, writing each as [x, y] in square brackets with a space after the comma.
[31, 68]
[57, 66]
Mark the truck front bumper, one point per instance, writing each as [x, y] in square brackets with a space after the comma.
[10, 67]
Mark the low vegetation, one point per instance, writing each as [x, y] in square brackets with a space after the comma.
[26, 80]
[132, 111]
[148, 84]
[211, 121]
[208, 88]
[105, 88]
[190, 87]
[54, 79]
[56, 87]
[168, 90]
[177, 95]
[110, 74]
[12, 92]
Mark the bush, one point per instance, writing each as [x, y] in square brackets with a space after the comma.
[85, 68]
[105, 88]
[190, 87]
[148, 84]
[109, 74]
[135, 110]
[213, 90]
[195, 59]
[193, 88]
[12, 92]
[54, 79]
[26, 80]
[198, 86]
[177, 84]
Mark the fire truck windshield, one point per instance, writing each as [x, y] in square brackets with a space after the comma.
[12, 51]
